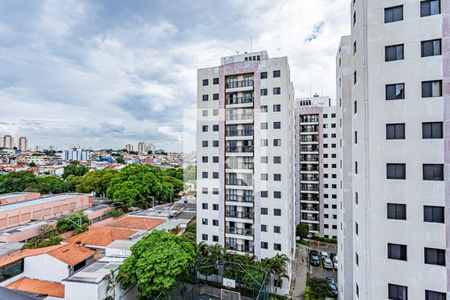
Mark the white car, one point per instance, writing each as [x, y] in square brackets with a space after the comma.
[335, 262]
[324, 254]
[327, 264]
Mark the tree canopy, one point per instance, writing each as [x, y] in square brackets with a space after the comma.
[78, 222]
[74, 169]
[156, 262]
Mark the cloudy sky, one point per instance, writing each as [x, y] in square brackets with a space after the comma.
[107, 73]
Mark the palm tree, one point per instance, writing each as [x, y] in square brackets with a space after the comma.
[113, 279]
[276, 267]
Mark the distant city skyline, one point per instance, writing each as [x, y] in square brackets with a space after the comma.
[103, 74]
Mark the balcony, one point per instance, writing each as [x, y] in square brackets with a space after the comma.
[240, 149]
[310, 129]
[240, 248]
[240, 214]
[240, 117]
[309, 149]
[243, 166]
[309, 178]
[309, 169]
[309, 119]
[309, 139]
[239, 231]
[309, 158]
[310, 218]
[242, 132]
[239, 182]
[239, 100]
[310, 207]
[309, 188]
[239, 84]
[239, 198]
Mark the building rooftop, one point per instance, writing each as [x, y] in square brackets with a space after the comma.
[136, 223]
[6, 248]
[69, 254]
[95, 272]
[38, 201]
[101, 236]
[10, 195]
[19, 295]
[52, 289]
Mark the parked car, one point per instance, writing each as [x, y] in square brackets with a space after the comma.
[335, 263]
[324, 254]
[334, 291]
[327, 263]
[314, 258]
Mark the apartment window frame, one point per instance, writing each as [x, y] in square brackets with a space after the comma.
[397, 292]
[276, 73]
[393, 14]
[434, 214]
[276, 91]
[429, 88]
[397, 251]
[435, 49]
[428, 11]
[433, 172]
[434, 295]
[394, 52]
[395, 91]
[395, 131]
[205, 82]
[435, 130]
[263, 75]
[396, 171]
[396, 211]
[434, 256]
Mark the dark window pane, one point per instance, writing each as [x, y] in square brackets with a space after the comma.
[435, 256]
[396, 211]
[394, 52]
[433, 214]
[432, 88]
[393, 14]
[395, 91]
[397, 251]
[396, 171]
[431, 48]
[395, 131]
[432, 295]
[432, 130]
[430, 7]
[433, 172]
[397, 292]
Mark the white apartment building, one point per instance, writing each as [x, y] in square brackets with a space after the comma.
[23, 144]
[394, 115]
[76, 154]
[8, 142]
[317, 165]
[245, 164]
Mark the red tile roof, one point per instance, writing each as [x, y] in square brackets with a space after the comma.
[52, 289]
[101, 236]
[136, 223]
[72, 254]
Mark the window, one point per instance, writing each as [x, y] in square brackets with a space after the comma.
[354, 18]
[216, 175]
[215, 191]
[277, 142]
[432, 295]
[215, 143]
[215, 238]
[11, 270]
[205, 128]
[432, 130]
[356, 137]
[205, 159]
[396, 251]
[357, 259]
[396, 211]
[205, 97]
[433, 172]
[277, 194]
[264, 211]
[395, 91]
[264, 228]
[355, 107]
[264, 142]
[276, 177]
[263, 108]
[215, 159]
[396, 171]
[263, 92]
[354, 77]
[204, 174]
[277, 247]
[277, 159]
[276, 125]
[264, 125]
[395, 131]
[205, 82]
[276, 90]
[277, 108]
[264, 245]
[215, 206]
[204, 190]
[397, 292]
[215, 127]
[205, 221]
[277, 212]
[431, 48]
[215, 96]
[356, 228]
[264, 194]
[204, 237]
[430, 7]
[435, 256]
[263, 75]
[433, 214]
[264, 159]
[216, 80]
[432, 89]
[393, 14]
[354, 48]
[276, 73]
[204, 113]
[215, 222]
[204, 205]
[276, 229]
[394, 52]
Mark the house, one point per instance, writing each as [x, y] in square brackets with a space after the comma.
[100, 237]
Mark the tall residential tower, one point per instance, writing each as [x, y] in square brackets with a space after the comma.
[395, 112]
[245, 156]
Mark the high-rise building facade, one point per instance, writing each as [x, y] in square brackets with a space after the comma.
[23, 144]
[8, 142]
[400, 112]
[316, 165]
[245, 132]
[129, 147]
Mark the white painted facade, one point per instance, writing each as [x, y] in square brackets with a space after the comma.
[245, 132]
[372, 272]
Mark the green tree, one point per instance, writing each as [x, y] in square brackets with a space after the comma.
[319, 288]
[74, 169]
[17, 182]
[78, 222]
[302, 230]
[72, 181]
[51, 185]
[120, 160]
[113, 279]
[96, 181]
[156, 262]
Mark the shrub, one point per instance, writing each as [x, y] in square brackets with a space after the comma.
[116, 212]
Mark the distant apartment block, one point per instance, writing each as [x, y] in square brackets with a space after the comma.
[394, 87]
[23, 144]
[8, 142]
[317, 165]
[245, 163]
[77, 154]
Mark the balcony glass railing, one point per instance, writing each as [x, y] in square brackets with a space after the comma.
[309, 139]
[239, 133]
[239, 100]
[237, 149]
[240, 248]
[314, 158]
[239, 198]
[309, 169]
[309, 149]
[240, 231]
[309, 129]
[248, 166]
[238, 117]
[239, 182]
[309, 178]
[239, 84]
[239, 214]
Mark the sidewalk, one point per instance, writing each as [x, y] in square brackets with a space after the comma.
[299, 273]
